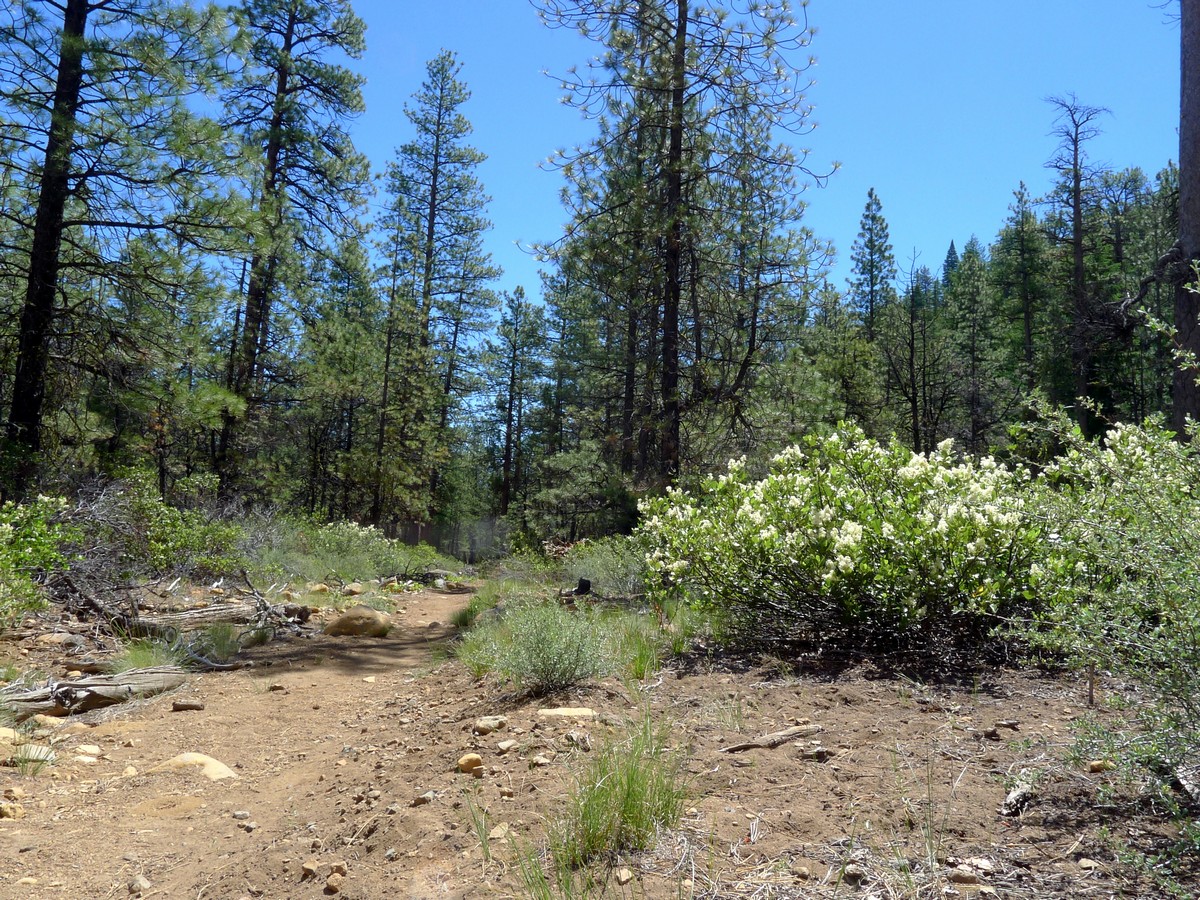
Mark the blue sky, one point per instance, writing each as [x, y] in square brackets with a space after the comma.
[938, 104]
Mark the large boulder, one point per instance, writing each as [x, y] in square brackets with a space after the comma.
[360, 621]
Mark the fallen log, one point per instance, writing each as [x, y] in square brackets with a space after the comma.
[774, 739]
[64, 698]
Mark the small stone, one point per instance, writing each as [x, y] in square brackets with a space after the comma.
[1011, 724]
[212, 769]
[27, 880]
[309, 869]
[241, 815]
[500, 832]
[390, 854]
[1088, 865]
[981, 865]
[1101, 765]
[319, 588]
[800, 873]
[353, 589]
[470, 763]
[854, 873]
[139, 885]
[963, 875]
[84, 760]
[250, 826]
[338, 868]
[506, 747]
[422, 799]
[186, 706]
[370, 679]
[507, 792]
[333, 884]
[539, 762]
[624, 876]
[128, 772]
[12, 811]
[488, 724]
[14, 793]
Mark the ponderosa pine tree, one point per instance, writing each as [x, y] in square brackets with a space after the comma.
[1186, 393]
[291, 105]
[673, 80]
[93, 105]
[873, 272]
[439, 204]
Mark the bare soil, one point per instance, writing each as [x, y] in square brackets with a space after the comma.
[345, 751]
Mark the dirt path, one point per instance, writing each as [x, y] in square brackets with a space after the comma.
[345, 749]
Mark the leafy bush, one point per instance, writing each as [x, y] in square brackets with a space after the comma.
[159, 539]
[1118, 572]
[850, 540]
[31, 538]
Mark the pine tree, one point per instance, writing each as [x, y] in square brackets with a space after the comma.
[874, 267]
[949, 265]
[291, 105]
[94, 105]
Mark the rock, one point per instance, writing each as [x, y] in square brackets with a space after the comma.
[128, 772]
[427, 797]
[800, 873]
[1018, 798]
[488, 724]
[963, 875]
[568, 712]
[309, 869]
[186, 706]
[139, 885]
[471, 763]
[370, 679]
[539, 762]
[8, 735]
[506, 747]
[88, 749]
[1101, 765]
[579, 739]
[241, 815]
[84, 760]
[338, 868]
[1088, 865]
[12, 811]
[360, 621]
[854, 873]
[14, 793]
[318, 588]
[353, 589]
[500, 832]
[624, 876]
[333, 884]
[507, 792]
[981, 865]
[212, 769]
[27, 880]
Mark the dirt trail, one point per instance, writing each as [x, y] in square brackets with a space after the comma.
[345, 751]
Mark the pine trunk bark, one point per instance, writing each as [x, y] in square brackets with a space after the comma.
[1186, 393]
[23, 430]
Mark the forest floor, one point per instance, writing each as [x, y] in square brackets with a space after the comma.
[345, 750]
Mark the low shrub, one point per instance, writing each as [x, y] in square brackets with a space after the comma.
[1118, 573]
[31, 539]
[849, 540]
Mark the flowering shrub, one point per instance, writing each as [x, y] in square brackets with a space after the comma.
[1120, 571]
[849, 539]
[30, 540]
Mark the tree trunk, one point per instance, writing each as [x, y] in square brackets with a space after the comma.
[673, 255]
[1187, 303]
[23, 431]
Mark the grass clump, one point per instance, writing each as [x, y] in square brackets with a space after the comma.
[625, 795]
[145, 653]
[615, 566]
[539, 647]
